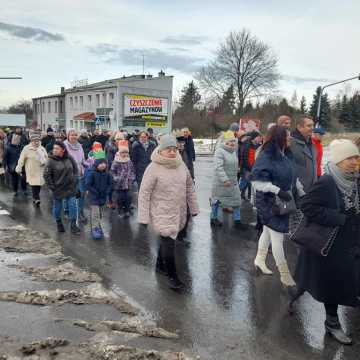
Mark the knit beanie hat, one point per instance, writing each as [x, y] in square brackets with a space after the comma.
[123, 145]
[167, 141]
[234, 127]
[342, 149]
[35, 136]
[97, 151]
[228, 136]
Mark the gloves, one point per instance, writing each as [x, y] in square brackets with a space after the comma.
[193, 215]
[283, 195]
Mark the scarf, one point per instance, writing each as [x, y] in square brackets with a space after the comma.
[40, 154]
[170, 163]
[145, 145]
[74, 147]
[347, 183]
[228, 148]
[118, 158]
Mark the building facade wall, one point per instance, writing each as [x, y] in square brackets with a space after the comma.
[49, 111]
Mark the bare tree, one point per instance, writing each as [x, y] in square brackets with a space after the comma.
[244, 62]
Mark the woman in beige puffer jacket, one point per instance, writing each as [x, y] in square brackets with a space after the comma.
[166, 191]
[34, 158]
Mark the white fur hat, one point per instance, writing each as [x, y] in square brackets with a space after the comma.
[342, 149]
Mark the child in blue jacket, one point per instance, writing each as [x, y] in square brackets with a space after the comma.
[99, 187]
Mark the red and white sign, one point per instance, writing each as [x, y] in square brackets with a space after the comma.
[249, 124]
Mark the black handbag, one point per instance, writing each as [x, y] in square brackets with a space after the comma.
[315, 237]
[286, 207]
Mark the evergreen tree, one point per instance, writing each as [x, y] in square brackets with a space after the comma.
[190, 97]
[248, 108]
[354, 108]
[227, 103]
[345, 114]
[303, 108]
[325, 110]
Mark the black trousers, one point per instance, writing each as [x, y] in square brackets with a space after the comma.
[166, 257]
[15, 179]
[123, 200]
[331, 309]
[36, 192]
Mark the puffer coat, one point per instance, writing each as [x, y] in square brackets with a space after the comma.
[60, 175]
[225, 169]
[278, 169]
[165, 194]
[34, 159]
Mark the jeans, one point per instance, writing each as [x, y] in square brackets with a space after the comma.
[123, 200]
[79, 202]
[72, 207]
[36, 192]
[215, 211]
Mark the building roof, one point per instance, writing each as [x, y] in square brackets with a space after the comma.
[107, 84]
[85, 116]
[48, 96]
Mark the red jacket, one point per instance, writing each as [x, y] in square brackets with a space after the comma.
[319, 151]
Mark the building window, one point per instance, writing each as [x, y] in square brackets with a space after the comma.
[49, 107]
[56, 109]
[111, 95]
[71, 103]
[89, 100]
[61, 106]
[76, 102]
[97, 99]
[81, 102]
[43, 107]
[104, 100]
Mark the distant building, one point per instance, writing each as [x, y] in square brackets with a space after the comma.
[135, 102]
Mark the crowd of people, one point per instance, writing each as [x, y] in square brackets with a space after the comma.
[281, 172]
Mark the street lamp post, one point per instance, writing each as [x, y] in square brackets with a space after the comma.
[322, 90]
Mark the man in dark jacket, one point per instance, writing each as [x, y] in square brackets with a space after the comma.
[304, 152]
[189, 144]
[141, 155]
[49, 138]
[60, 175]
[15, 143]
[99, 137]
[85, 141]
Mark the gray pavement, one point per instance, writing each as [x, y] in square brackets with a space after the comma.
[227, 311]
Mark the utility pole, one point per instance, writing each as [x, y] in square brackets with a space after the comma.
[321, 92]
[143, 64]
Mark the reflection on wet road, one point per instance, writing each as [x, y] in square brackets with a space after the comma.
[227, 312]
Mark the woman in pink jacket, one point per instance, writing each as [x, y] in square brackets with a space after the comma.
[166, 191]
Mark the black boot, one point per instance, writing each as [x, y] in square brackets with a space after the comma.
[333, 328]
[173, 279]
[60, 226]
[74, 228]
[215, 222]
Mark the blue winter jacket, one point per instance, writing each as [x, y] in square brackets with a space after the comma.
[99, 185]
[277, 168]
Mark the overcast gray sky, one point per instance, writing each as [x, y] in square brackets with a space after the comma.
[51, 43]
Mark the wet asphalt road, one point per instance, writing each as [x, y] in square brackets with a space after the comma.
[227, 311]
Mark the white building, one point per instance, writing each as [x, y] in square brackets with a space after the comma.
[135, 102]
[50, 111]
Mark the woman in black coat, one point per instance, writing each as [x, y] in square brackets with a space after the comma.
[141, 155]
[334, 201]
[273, 176]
